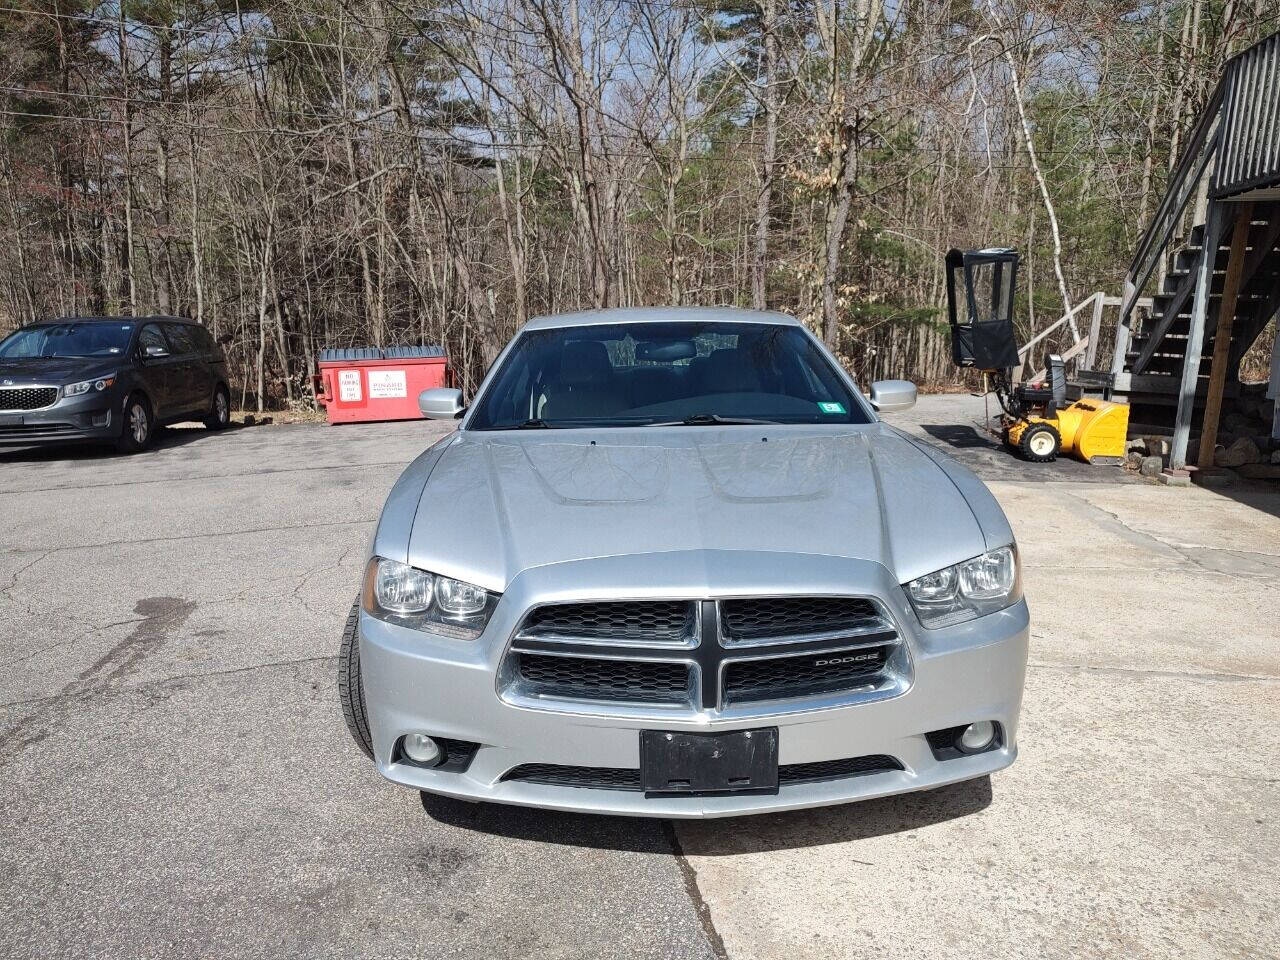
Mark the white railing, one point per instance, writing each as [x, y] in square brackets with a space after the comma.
[1086, 345]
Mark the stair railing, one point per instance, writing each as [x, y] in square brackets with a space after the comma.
[1240, 125]
[1086, 345]
[1251, 131]
[1183, 181]
[1024, 354]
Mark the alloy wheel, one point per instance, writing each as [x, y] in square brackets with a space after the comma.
[138, 423]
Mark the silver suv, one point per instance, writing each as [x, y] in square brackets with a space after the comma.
[672, 564]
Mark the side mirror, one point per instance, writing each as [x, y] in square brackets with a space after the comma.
[153, 352]
[890, 395]
[441, 403]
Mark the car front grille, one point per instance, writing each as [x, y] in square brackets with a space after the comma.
[823, 770]
[702, 654]
[648, 620]
[40, 430]
[598, 778]
[27, 398]
[626, 778]
[804, 675]
[589, 678]
[788, 616]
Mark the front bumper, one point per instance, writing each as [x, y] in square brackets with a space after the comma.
[416, 682]
[92, 418]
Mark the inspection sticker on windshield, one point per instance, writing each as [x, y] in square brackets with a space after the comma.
[831, 407]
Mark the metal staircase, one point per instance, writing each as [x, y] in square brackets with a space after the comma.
[1214, 240]
[1157, 354]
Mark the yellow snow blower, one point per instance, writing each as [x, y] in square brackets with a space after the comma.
[1037, 420]
[1039, 424]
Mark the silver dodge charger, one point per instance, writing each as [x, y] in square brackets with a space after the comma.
[671, 563]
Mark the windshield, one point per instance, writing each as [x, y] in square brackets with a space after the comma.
[67, 340]
[642, 374]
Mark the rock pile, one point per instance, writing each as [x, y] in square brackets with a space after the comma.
[1244, 441]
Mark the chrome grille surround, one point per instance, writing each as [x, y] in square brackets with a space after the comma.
[865, 658]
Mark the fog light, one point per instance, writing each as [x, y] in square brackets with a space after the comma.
[977, 736]
[420, 748]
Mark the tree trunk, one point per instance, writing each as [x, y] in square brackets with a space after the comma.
[768, 154]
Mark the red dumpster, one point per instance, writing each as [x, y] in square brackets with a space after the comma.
[373, 383]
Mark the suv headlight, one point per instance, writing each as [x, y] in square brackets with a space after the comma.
[967, 590]
[404, 595]
[97, 384]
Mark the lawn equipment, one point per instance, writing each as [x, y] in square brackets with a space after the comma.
[1037, 419]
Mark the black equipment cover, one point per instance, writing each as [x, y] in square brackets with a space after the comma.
[982, 333]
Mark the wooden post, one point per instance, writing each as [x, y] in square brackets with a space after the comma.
[1195, 337]
[1095, 330]
[1222, 335]
[1124, 326]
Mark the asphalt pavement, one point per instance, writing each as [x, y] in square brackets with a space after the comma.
[178, 782]
[177, 777]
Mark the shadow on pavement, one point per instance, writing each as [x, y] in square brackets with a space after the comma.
[600, 832]
[164, 439]
[962, 436]
[841, 824]
[720, 837]
[1263, 495]
[992, 460]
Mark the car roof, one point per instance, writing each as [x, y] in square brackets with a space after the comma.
[45, 323]
[597, 318]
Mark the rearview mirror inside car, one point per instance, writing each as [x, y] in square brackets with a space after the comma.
[890, 395]
[441, 403]
[666, 351]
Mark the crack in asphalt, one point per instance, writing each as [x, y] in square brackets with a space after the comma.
[160, 617]
[200, 536]
[319, 468]
[89, 627]
[17, 574]
[1114, 523]
[174, 680]
[1170, 674]
[690, 877]
[1213, 774]
[30, 609]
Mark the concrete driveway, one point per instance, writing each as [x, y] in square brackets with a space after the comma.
[177, 780]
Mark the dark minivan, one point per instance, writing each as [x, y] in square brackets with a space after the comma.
[109, 380]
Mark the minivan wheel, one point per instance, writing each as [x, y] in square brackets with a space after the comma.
[138, 427]
[350, 691]
[220, 412]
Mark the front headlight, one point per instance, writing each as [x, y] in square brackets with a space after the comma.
[404, 595]
[98, 384]
[967, 590]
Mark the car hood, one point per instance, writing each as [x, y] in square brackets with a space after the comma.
[54, 370]
[497, 504]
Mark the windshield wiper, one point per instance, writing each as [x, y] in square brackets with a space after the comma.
[706, 420]
[534, 424]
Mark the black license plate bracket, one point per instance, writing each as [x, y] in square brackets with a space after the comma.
[709, 764]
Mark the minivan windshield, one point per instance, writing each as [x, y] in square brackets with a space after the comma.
[67, 340]
[670, 374]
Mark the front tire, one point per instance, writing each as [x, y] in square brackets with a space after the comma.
[139, 426]
[350, 690]
[220, 413]
[1040, 443]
